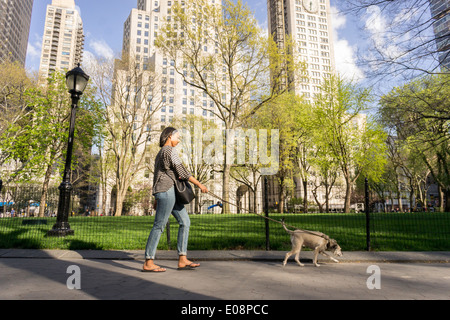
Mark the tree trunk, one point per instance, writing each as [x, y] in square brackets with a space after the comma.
[441, 199]
[348, 194]
[255, 199]
[305, 195]
[120, 198]
[281, 197]
[104, 197]
[119, 205]
[411, 196]
[226, 188]
[447, 199]
[43, 201]
[399, 199]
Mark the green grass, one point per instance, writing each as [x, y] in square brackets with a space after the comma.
[389, 232]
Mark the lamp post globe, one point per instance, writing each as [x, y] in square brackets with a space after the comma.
[76, 81]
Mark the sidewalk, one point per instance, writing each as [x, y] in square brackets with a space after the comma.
[231, 255]
[256, 277]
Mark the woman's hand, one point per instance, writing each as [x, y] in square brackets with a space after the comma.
[203, 188]
[198, 184]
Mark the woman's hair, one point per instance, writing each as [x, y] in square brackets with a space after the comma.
[167, 132]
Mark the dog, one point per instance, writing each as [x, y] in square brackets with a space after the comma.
[317, 241]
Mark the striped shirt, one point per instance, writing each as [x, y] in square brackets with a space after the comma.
[168, 167]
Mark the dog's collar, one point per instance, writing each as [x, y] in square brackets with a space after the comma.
[328, 244]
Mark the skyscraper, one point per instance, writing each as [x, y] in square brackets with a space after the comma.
[148, 91]
[15, 19]
[63, 39]
[308, 23]
[440, 11]
[140, 31]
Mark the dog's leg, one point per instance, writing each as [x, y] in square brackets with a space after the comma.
[327, 255]
[287, 257]
[296, 247]
[316, 253]
[298, 255]
[290, 252]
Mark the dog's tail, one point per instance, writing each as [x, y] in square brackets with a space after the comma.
[285, 228]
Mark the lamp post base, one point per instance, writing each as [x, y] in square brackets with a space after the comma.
[62, 228]
[60, 232]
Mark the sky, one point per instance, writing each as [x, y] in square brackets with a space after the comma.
[103, 25]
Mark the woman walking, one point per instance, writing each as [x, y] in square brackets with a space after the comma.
[168, 167]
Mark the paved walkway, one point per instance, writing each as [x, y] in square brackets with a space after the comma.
[249, 277]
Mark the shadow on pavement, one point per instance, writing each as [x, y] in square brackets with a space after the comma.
[45, 278]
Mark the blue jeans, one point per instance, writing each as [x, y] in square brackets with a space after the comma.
[166, 205]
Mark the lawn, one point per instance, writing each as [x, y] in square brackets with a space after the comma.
[389, 231]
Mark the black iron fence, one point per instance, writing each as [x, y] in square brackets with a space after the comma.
[22, 227]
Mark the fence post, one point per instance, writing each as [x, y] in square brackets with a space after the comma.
[266, 211]
[366, 188]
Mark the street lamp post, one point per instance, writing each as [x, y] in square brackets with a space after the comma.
[76, 83]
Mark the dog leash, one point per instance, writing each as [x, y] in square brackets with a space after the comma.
[248, 211]
[270, 219]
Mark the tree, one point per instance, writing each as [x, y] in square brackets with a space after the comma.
[326, 170]
[396, 161]
[354, 140]
[14, 84]
[285, 114]
[418, 175]
[423, 128]
[129, 96]
[189, 129]
[38, 139]
[403, 41]
[220, 50]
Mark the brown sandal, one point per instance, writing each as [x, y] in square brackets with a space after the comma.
[189, 267]
[154, 270]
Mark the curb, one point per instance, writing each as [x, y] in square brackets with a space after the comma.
[230, 255]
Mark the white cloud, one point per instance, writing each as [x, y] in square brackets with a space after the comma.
[34, 49]
[339, 20]
[102, 49]
[344, 52]
[406, 15]
[89, 61]
[382, 37]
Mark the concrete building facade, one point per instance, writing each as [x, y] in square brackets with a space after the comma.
[440, 12]
[15, 19]
[63, 38]
[308, 23]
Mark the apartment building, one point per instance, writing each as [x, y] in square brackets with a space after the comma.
[15, 19]
[140, 31]
[308, 23]
[440, 12]
[147, 85]
[63, 38]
